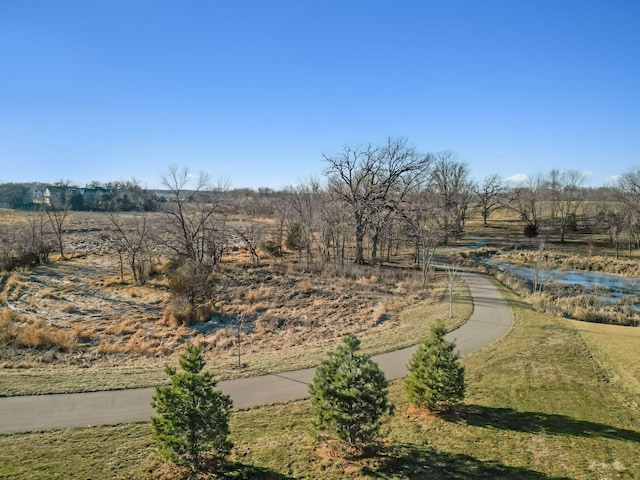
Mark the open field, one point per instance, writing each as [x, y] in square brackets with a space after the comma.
[86, 329]
[538, 407]
[73, 325]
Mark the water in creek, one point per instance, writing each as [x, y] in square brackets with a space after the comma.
[618, 286]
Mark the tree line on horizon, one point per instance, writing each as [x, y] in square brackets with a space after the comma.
[373, 199]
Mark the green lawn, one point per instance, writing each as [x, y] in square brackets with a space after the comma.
[538, 407]
[617, 349]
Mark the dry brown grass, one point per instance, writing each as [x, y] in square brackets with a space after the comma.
[13, 286]
[18, 330]
[305, 286]
[379, 313]
[122, 328]
[87, 316]
[40, 335]
[8, 325]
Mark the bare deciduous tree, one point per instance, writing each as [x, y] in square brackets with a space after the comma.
[526, 200]
[194, 215]
[57, 209]
[490, 193]
[374, 180]
[423, 227]
[134, 241]
[451, 189]
[568, 197]
[305, 202]
[453, 280]
[251, 235]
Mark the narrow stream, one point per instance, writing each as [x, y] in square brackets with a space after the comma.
[617, 286]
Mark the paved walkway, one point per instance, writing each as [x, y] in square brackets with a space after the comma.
[490, 320]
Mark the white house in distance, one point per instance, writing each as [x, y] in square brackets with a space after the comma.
[88, 198]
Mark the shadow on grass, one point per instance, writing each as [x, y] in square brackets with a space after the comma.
[241, 471]
[225, 470]
[409, 461]
[536, 422]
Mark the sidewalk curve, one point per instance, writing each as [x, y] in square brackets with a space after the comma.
[490, 320]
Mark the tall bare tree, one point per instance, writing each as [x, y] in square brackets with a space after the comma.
[305, 202]
[490, 194]
[568, 197]
[423, 227]
[526, 199]
[57, 209]
[134, 240]
[453, 280]
[627, 193]
[627, 190]
[374, 180]
[451, 189]
[194, 215]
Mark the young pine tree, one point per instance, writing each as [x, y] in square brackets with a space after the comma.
[436, 378]
[349, 395]
[193, 422]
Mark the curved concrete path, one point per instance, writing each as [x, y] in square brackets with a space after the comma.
[490, 320]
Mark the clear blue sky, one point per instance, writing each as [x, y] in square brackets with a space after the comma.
[257, 91]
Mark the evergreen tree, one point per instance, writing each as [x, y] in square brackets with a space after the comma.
[349, 395]
[193, 422]
[436, 378]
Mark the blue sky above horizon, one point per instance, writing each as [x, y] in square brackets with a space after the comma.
[257, 91]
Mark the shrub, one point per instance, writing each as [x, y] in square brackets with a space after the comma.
[192, 428]
[40, 335]
[272, 247]
[436, 378]
[8, 325]
[349, 395]
[530, 230]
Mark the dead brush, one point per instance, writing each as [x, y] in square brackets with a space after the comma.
[109, 346]
[40, 335]
[122, 328]
[223, 338]
[49, 295]
[305, 286]
[178, 312]
[82, 335]
[581, 313]
[9, 325]
[268, 322]
[139, 344]
[379, 313]
[254, 296]
[13, 286]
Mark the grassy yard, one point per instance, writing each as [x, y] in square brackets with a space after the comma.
[616, 349]
[538, 407]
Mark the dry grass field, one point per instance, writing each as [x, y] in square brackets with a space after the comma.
[73, 325]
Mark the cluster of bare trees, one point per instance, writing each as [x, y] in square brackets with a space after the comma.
[375, 198]
[624, 214]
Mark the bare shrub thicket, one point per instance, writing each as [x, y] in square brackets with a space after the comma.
[26, 246]
[133, 239]
[194, 216]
